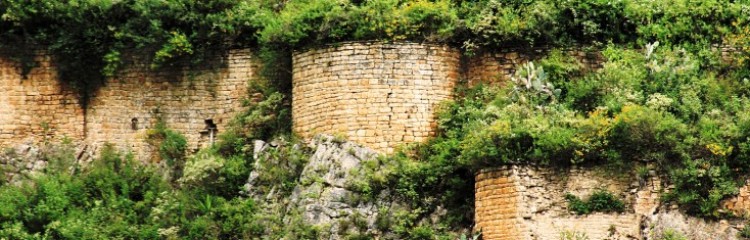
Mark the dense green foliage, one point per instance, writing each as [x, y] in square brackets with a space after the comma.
[172, 148]
[89, 38]
[117, 197]
[599, 201]
[744, 232]
[93, 39]
[677, 105]
[262, 120]
[686, 112]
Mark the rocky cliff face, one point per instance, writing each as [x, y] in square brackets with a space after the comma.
[25, 160]
[324, 196]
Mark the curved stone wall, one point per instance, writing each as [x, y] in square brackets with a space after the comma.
[36, 106]
[122, 111]
[377, 94]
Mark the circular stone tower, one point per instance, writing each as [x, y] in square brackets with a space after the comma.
[377, 94]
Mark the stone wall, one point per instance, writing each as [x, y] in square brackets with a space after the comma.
[740, 204]
[37, 106]
[540, 206]
[498, 206]
[378, 94]
[529, 203]
[122, 111]
[497, 66]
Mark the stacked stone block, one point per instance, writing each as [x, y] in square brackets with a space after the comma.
[378, 94]
[497, 67]
[122, 111]
[498, 205]
[539, 209]
[36, 107]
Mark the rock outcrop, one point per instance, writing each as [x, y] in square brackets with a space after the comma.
[25, 160]
[324, 196]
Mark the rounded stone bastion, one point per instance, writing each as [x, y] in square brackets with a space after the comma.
[378, 94]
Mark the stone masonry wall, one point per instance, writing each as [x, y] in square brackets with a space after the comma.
[36, 106]
[122, 111]
[377, 94]
[541, 209]
[525, 202]
[498, 206]
[496, 67]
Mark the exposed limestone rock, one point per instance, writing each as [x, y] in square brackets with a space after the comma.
[740, 204]
[24, 160]
[659, 224]
[324, 196]
[20, 162]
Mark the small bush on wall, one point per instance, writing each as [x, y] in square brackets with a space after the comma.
[171, 145]
[599, 201]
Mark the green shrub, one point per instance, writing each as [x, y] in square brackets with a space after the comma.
[599, 201]
[172, 148]
[302, 23]
[577, 205]
[573, 235]
[670, 234]
[744, 232]
[261, 121]
[421, 233]
[603, 201]
[172, 145]
[643, 134]
[497, 22]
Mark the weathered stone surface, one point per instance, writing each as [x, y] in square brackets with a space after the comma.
[690, 227]
[23, 161]
[496, 67]
[122, 111]
[526, 202]
[324, 196]
[740, 204]
[377, 94]
[41, 108]
[37, 106]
